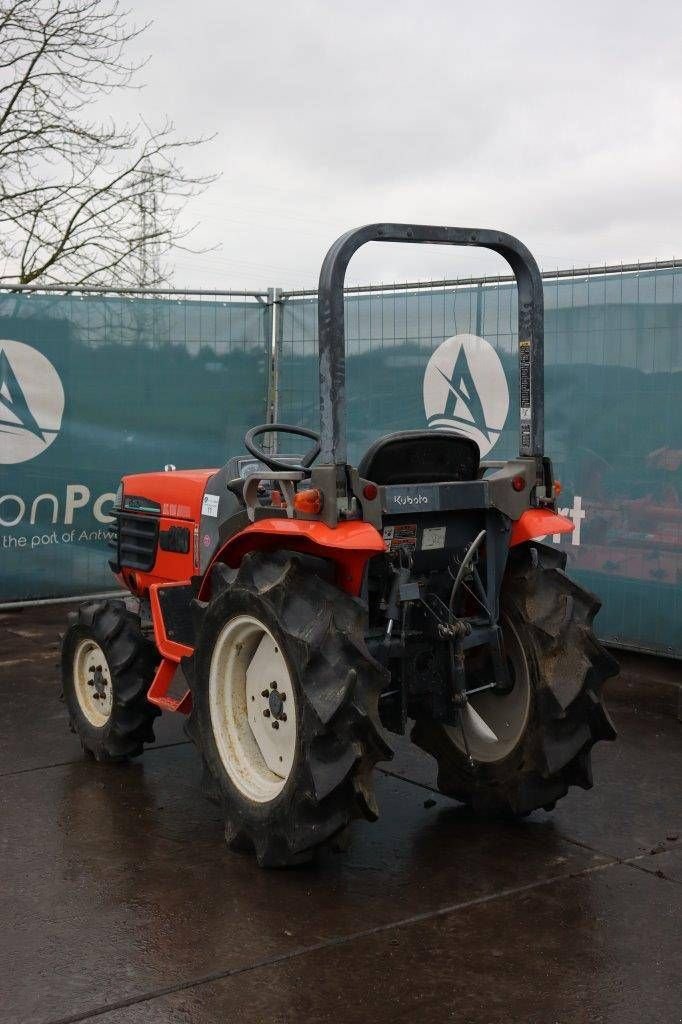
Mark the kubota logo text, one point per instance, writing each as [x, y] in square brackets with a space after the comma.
[31, 402]
[465, 389]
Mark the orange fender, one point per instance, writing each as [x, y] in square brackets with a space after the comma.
[349, 545]
[539, 522]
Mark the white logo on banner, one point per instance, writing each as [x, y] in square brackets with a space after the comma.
[465, 389]
[31, 402]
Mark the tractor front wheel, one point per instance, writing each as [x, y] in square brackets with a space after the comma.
[284, 706]
[107, 667]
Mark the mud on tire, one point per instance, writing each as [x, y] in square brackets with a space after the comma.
[131, 659]
[568, 666]
[320, 632]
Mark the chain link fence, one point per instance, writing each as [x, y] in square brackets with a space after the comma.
[93, 386]
[444, 354]
[96, 385]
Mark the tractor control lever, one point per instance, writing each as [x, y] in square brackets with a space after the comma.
[400, 587]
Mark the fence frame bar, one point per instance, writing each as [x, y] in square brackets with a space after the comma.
[67, 289]
[462, 282]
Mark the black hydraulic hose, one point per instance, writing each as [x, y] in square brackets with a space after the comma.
[457, 673]
[466, 562]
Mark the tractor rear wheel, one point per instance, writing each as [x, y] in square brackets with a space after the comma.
[107, 667]
[530, 744]
[284, 706]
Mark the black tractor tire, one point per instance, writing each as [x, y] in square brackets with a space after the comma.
[336, 684]
[131, 659]
[552, 617]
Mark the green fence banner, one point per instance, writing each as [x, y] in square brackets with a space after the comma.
[92, 387]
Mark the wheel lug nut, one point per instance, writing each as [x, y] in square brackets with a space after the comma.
[275, 725]
[91, 669]
[273, 686]
[266, 713]
[265, 693]
[282, 717]
[282, 696]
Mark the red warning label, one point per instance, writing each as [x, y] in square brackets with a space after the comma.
[402, 536]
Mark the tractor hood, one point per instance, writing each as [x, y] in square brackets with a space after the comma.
[177, 493]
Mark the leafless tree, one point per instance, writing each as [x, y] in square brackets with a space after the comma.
[82, 199]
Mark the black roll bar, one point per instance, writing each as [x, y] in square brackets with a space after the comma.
[332, 342]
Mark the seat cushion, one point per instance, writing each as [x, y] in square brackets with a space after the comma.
[420, 457]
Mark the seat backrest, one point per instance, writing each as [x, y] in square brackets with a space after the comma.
[420, 457]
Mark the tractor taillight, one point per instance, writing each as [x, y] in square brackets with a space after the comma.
[518, 483]
[558, 488]
[309, 501]
[370, 491]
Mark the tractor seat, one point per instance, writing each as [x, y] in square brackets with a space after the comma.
[420, 457]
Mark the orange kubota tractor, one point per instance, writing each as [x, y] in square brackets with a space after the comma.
[315, 606]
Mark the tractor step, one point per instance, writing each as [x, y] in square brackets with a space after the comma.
[170, 604]
[159, 691]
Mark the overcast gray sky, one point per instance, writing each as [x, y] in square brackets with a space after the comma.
[558, 122]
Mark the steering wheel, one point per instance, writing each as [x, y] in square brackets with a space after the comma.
[282, 428]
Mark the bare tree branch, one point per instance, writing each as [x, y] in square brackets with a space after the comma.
[82, 199]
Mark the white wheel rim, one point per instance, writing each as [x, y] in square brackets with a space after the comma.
[92, 682]
[253, 708]
[495, 722]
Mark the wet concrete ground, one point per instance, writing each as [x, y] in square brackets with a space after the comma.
[120, 903]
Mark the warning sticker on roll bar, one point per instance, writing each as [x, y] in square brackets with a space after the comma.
[524, 380]
[525, 395]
